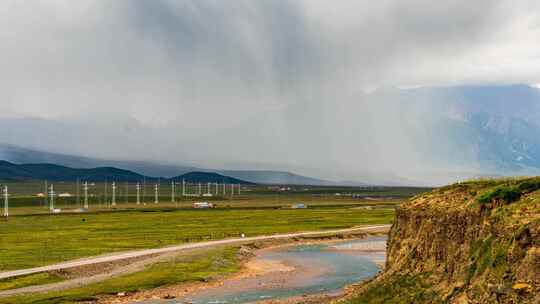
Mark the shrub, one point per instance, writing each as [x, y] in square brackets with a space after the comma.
[507, 194]
[530, 185]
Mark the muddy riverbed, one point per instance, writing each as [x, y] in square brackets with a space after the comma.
[307, 270]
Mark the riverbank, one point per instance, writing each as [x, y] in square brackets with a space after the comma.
[154, 277]
[262, 268]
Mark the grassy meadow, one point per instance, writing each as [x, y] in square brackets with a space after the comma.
[35, 240]
[201, 265]
[33, 237]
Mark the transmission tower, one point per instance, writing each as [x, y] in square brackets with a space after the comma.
[156, 194]
[138, 187]
[85, 195]
[6, 202]
[113, 199]
[51, 196]
[172, 192]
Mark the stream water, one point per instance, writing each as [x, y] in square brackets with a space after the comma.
[319, 268]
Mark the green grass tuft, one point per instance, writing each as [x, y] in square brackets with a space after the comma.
[200, 266]
[29, 280]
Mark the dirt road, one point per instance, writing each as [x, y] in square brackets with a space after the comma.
[146, 252]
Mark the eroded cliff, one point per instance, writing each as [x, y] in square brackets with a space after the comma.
[473, 242]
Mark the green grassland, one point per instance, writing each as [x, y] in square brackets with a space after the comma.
[198, 266]
[35, 240]
[32, 237]
[24, 199]
[29, 280]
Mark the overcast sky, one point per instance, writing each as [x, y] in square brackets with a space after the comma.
[267, 83]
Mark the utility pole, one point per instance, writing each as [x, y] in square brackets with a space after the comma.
[239, 188]
[183, 187]
[208, 188]
[232, 189]
[86, 195]
[127, 192]
[200, 189]
[106, 199]
[51, 195]
[138, 187]
[6, 203]
[156, 194]
[46, 194]
[172, 192]
[217, 189]
[224, 189]
[144, 190]
[113, 201]
[78, 194]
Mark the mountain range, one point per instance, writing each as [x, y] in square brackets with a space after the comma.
[53, 172]
[489, 129]
[106, 169]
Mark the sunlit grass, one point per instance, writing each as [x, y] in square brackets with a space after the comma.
[193, 267]
[36, 240]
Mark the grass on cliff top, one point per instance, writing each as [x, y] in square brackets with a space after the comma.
[30, 241]
[195, 267]
[481, 192]
[510, 191]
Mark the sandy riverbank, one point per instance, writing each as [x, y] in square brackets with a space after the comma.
[255, 272]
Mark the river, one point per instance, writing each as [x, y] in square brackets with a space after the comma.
[298, 270]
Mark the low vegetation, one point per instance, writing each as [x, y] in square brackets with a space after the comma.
[32, 237]
[36, 240]
[194, 267]
[509, 191]
[29, 280]
[399, 290]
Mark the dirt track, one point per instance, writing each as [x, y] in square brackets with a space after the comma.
[145, 252]
[148, 256]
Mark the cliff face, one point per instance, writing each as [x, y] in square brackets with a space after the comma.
[476, 242]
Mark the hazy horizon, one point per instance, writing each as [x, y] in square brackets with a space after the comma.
[278, 85]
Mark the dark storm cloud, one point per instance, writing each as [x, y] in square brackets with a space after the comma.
[249, 81]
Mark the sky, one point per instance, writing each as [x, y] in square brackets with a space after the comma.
[266, 84]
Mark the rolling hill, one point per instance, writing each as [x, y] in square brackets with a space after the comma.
[20, 155]
[52, 172]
